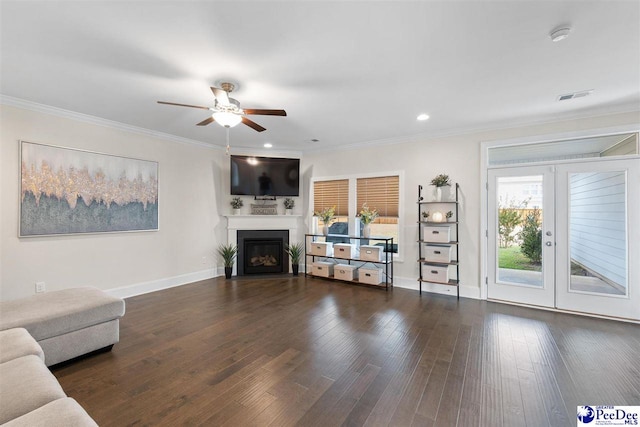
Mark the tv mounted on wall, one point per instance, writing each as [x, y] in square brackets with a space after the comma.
[264, 176]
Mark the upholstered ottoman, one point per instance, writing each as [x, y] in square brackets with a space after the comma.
[67, 323]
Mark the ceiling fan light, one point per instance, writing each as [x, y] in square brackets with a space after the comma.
[226, 119]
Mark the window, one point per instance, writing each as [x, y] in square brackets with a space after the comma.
[333, 193]
[349, 194]
[383, 194]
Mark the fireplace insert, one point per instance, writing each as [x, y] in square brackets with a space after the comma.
[262, 252]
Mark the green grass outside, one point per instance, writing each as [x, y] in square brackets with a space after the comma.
[514, 259]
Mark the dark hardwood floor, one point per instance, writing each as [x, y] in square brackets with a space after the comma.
[294, 351]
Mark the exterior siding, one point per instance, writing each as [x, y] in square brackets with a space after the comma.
[598, 223]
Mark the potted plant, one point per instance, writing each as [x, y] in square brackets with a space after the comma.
[236, 204]
[295, 253]
[367, 216]
[425, 215]
[228, 254]
[449, 215]
[288, 205]
[440, 181]
[326, 215]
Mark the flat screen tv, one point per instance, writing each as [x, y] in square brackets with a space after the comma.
[264, 176]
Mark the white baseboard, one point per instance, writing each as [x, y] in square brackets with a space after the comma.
[184, 279]
[412, 283]
[165, 283]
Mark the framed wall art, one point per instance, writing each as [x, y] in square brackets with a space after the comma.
[69, 191]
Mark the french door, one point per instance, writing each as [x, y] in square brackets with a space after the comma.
[566, 236]
[514, 195]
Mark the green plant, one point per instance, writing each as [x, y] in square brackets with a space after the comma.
[289, 203]
[326, 215]
[449, 215]
[509, 218]
[425, 214]
[237, 203]
[441, 180]
[295, 252]
[366, 215]
[531, 236]
[228, 254]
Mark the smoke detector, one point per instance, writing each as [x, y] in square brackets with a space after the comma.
[560, 34]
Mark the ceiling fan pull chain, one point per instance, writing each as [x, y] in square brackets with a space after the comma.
[228, 147]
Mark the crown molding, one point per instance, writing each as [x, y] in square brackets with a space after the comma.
[469, 131]
[86, 118]
[46, 109]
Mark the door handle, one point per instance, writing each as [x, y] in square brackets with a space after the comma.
[548, 243]
[548, 233]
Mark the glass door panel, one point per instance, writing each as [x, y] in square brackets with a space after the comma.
[598, 232]
[519, 230]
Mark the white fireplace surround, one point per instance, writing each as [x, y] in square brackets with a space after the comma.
[262, 222]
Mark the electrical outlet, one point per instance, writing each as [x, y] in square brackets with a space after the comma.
[40, 287]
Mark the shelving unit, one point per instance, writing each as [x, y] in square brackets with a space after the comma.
[387, 260]
[451, 244]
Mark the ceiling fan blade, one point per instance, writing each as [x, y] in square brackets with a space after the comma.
[260, 112]
[184, 105]
[206, 121]
[221, 95]
[253, 124]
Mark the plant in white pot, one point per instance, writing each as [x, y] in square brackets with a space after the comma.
[326, 215]
[228, 254]
[236, 204]
[367, 216]
[295, 253]
[288, 205]
[440, 181]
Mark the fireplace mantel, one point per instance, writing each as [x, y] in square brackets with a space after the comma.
[262, 222]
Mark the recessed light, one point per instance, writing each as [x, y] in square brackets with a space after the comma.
[560, 34]
[423, 117]
[268, 145]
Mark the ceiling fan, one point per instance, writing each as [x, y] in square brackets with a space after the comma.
[227, 111]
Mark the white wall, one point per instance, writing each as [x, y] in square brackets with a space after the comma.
[193, 184]
[194, 193]
[421, 158]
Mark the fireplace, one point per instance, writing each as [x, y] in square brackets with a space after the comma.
[262, 252]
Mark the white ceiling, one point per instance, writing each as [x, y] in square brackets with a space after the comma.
[345, 72]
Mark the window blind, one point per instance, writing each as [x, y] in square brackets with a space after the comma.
[327, 194]
[381, 193]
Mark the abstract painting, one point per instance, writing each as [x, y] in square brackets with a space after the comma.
[68, 191]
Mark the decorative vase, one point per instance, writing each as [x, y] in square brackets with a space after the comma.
[227, 272]
[295, 268]
[236, 211]
[438, 194]
[325, 230]
[288, 211]
[366, 230]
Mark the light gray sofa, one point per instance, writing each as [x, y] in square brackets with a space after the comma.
[30, 396]
[44, 330]
[67, 323]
